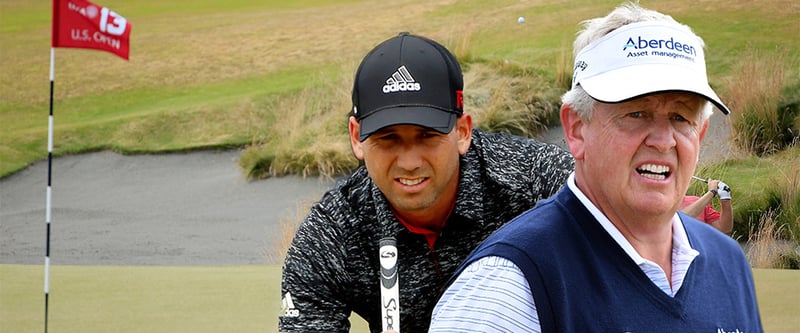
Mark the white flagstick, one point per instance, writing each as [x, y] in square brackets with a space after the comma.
[49, 191]
[390, 285]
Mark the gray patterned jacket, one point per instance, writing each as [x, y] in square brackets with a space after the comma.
[332, 267]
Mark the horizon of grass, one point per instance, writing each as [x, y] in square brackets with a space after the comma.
[203, 299]
[266, 81]
[170, 119]
[227, 54]
[263, 78]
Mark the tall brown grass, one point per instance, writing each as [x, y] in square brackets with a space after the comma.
[755, 94]
[774, 241]
[564, 67]
[459, 43]
[308, 135]
[766, 247]
[510, 98]
[503, 96]
[784, 194]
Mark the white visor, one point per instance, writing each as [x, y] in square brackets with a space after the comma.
[644, 58]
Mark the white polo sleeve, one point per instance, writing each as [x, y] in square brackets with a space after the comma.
[490, 295]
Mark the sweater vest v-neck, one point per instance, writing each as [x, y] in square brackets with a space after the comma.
[583, 281]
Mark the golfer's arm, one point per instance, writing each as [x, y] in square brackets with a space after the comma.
[698, 206]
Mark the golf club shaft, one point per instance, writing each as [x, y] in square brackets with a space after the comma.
[700, 179]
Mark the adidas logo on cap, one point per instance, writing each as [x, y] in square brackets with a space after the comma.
[407, 80]
[401, 80]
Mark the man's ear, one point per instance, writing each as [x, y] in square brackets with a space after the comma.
[703, 130]
[353, 126]
[573, 130]
[464, 128]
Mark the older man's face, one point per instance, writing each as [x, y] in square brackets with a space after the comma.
[637, 158]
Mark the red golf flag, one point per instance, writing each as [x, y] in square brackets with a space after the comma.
[82, 24]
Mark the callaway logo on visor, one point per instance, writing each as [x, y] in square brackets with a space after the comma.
[401, 80]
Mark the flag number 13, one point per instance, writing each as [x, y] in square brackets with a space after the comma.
[112, 23]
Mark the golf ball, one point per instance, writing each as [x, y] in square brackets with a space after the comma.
[521, 19]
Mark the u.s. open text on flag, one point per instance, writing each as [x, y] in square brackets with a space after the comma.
[82, 24]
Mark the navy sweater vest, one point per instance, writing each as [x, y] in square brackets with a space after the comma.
[583, 281]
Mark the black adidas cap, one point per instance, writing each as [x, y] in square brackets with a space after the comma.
[408, 80]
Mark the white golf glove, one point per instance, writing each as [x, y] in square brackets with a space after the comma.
[723, 191]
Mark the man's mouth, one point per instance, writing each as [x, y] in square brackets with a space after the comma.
[652, 171]
[410, 182]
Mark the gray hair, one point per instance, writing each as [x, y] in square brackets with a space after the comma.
[596, 28]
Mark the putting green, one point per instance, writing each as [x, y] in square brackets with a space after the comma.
[219, 299]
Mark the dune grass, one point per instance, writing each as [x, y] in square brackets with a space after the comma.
[206, 74]
[202, 299]
[764, 119]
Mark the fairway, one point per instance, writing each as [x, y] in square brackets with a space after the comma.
[220, 299]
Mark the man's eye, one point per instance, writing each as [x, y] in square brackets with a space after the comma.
[635, 114]
[679, 118]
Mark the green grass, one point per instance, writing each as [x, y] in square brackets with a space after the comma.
[148, 119]
[143, 299]
[202, 299]
[776, 291]
[211, 73]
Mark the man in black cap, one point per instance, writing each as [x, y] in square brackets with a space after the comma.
[383, 242]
